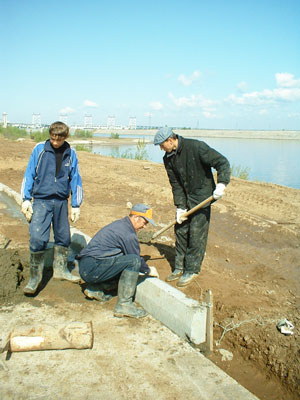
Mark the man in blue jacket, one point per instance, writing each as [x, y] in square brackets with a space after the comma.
[51, 175]
[114, 252]
[189, 164]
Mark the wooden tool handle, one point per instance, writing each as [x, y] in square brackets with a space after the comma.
[191, 211]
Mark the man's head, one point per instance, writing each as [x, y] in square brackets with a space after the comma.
[166, 139]
[140, 215]
[58, 133]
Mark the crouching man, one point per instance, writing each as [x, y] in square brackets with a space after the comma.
[114, 252]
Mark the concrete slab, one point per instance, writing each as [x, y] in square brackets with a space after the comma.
[183, 315]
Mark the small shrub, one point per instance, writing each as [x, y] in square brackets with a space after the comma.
[125, 154]
[140, 154]
[82, 147]
[80, 133]
[39, 136]
[114, 135]
[240, 172]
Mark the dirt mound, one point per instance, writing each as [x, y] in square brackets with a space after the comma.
[13, 271]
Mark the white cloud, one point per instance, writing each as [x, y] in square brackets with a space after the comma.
[286, 80]
[156, 105]
[89, 103]
[209, 114]
[192, 101]
[263, 112]
[242, 86]
[148, 114]
[294, 115]
[266, 96]
[67, 110]
[288, 90]
[188, 80]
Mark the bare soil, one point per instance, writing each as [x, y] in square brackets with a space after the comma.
[251, 265]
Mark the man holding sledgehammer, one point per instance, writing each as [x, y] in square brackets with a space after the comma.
[189, 164]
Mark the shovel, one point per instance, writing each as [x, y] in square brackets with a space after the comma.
[191, 211]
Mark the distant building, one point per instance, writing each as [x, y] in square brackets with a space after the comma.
[36, 121]
[132, 123]
[111, 122]
[88, 121]
[4, 120]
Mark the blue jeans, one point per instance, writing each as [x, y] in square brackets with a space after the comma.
[46, 212]
[94, 270]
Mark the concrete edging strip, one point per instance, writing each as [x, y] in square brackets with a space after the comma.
[183, 315]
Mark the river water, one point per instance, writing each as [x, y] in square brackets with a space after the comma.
[266, 160]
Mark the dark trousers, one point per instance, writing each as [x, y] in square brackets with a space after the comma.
[46, 212]
[94, 270]
[191, 240]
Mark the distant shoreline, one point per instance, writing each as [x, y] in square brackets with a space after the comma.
[213, 133]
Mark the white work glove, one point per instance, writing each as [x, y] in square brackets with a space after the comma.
[153, 272]
[27, 209]
[219, 191]
[179, 218]
[75, 214]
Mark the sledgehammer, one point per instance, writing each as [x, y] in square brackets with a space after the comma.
[191, 211]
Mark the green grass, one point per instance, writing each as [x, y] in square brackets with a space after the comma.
[82, 147]
[12, 133]
[240, 172]
[140, 154]
[40, 136]
[82, 134]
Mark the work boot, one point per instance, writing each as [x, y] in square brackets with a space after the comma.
[186, 279]
[176, 274]
[60, 265]
[95, 292]
[126, 289]
[36, 271]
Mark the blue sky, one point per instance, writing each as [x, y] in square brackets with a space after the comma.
[231, 64]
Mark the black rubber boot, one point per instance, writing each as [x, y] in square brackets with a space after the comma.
[95, 292]
[126, 289]
[36, 272]
[176, 274]
[60, 265]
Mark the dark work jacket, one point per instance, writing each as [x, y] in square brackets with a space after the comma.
[189, 169]
[116, 239]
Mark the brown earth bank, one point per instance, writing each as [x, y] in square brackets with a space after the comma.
[252, 262]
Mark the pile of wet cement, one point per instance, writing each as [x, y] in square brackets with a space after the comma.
[13, 273]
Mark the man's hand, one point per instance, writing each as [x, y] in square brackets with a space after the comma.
[75, 214]
[153, 272]
[179, 218]
[27, 209]
[219, 191]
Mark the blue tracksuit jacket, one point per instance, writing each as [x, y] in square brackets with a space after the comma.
[40, 181]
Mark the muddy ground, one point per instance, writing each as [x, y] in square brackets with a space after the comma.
[252, 262]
